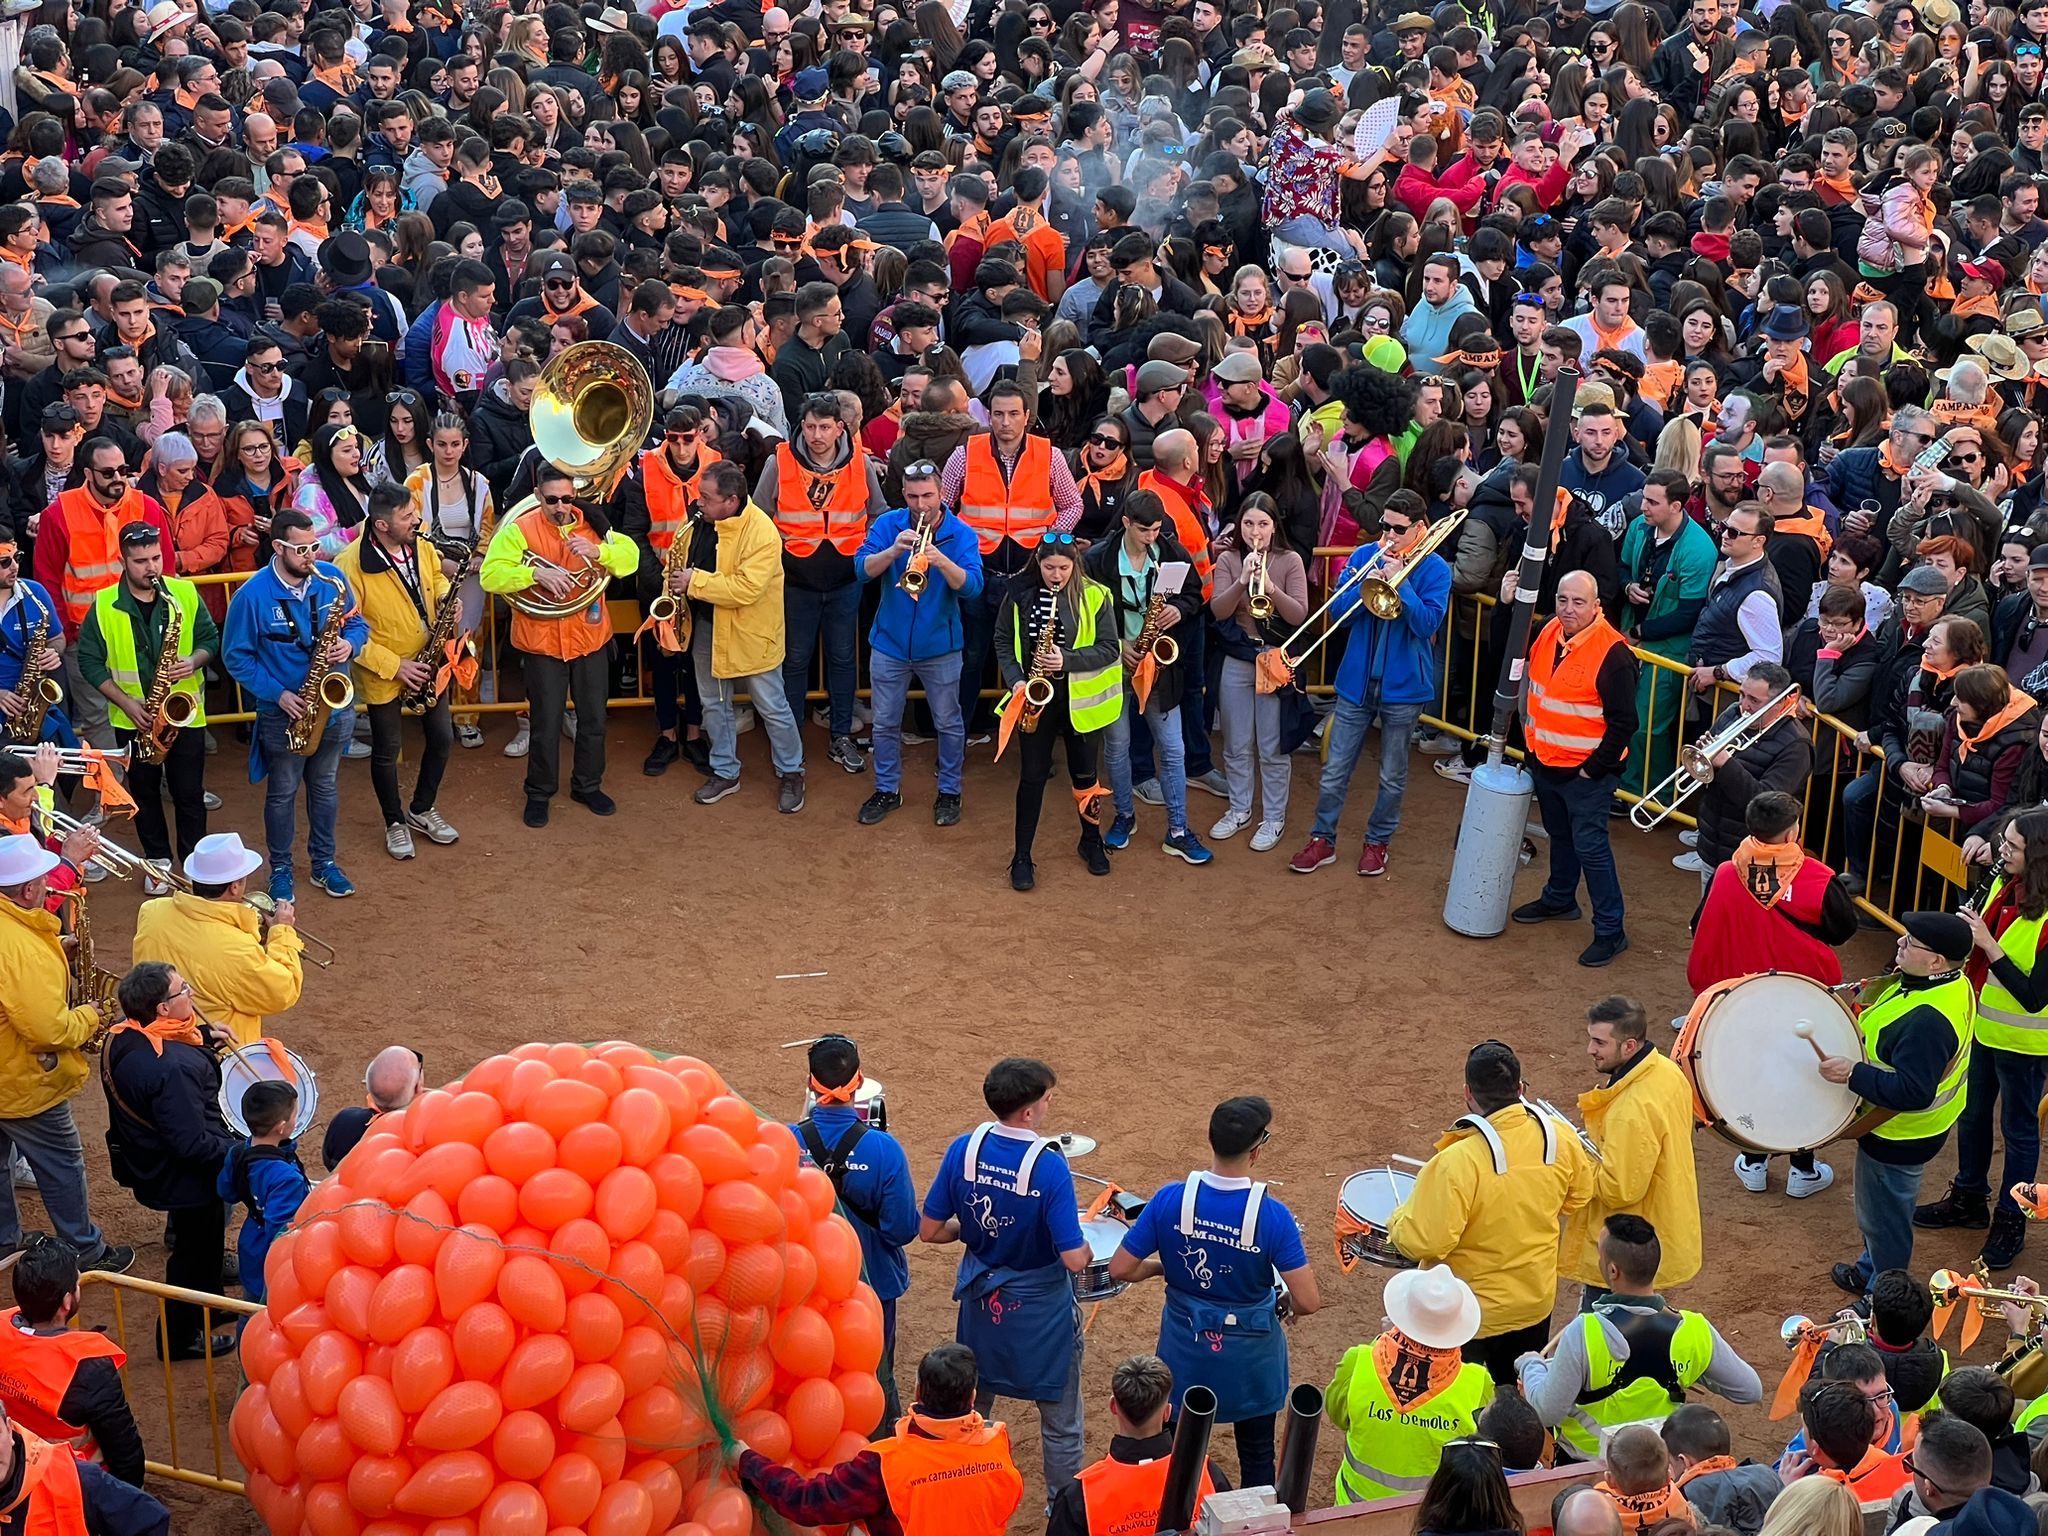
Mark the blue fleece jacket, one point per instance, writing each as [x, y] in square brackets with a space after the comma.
[929, 627]
[267, 641]
[1394, 662]
[878, 1181]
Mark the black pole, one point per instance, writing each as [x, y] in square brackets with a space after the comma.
[1192, 1427]
[1298, 1452]
[1507, 692]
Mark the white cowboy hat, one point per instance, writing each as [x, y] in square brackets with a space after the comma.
[163, 16]
[1433, 1307]
[23, 859]
[220, 859]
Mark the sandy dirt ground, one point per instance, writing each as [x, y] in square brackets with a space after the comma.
[727, 931]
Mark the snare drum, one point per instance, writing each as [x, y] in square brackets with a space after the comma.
[1757, 1083]
[870, 1103]
[259, 1062]
[1365, 1204]
[1103, 1237]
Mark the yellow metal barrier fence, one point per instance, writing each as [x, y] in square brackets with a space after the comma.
[181, 1384]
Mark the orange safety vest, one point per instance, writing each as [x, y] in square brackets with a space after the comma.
[95, 553]
[1021, 509]
[813, 508]
[966, 1487]
[580, 634]
[669, 495]
[1187, 526]
[1122, 1497]
[1565, 718]
[49, 1482]
[36, 1371]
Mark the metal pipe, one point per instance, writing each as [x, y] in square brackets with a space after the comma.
[1192, 1428]
[1298, 1452]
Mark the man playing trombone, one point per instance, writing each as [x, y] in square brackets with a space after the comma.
[1388, 674]
[215, 939]
[121, 653]
[1757, 743]
[1579, 712]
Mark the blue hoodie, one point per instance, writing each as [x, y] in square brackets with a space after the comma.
[928, 627]
[877, 1180]
[1394, 661]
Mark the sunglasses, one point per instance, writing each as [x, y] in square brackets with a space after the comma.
[559, 282]
[923, 469]
[8, 562]
[301, 549]
[1059, 540]
[266, 367]
[557, 501]
[76, 336]
[1104, 440]
[682, 437]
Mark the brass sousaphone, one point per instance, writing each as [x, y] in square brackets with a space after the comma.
[590, 417]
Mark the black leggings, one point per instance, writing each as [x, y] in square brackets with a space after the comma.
[1036, 747]
[387, 723]
[1255, 1464]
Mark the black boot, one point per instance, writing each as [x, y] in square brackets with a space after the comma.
[2008, 1236]
[1093, 854]
[1957, 1208]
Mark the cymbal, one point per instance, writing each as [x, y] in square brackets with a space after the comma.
[1074, 1144]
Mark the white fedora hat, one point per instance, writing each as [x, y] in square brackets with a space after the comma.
[220, 859]
[23, 859]
[163, 16]
[1433, 1307]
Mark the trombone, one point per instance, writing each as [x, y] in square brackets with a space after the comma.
[83, 760]
[1695, 768]
[124, 864]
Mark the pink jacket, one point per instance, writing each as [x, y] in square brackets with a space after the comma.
[1271, 422]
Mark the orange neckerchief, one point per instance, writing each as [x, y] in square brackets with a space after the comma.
[1662, 381]
[1640, 1511]
[162, 1032]
[1706, 1468]
[18, 329]
[372, 221]
[963, 1430]
[1940, 288]
[2017, 704]
[26, 263]
[1113, 475]
[401, 26]
[1558, 514]
[1844, 186]
[1896, 468]
[1813, 525]
[124, 403]
[1942, 674]
[1413, 1373]
[312, 227]
[341, 79]
[1243, 324]
[1976, 304]
[1610, 339]
[58, 200]
[1767, 869]
[141, 341]
[1954, 413]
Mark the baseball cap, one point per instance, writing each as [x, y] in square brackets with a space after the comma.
[1988, 270]
[812, 84]
[2038, 560]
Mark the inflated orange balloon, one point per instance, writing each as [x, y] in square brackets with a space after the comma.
[559, 1107]
[623, 1509]
[554, 1196]
[668, 1235]
[527, 1079]
[518, 1150]
[423, 1365]
[536, 1371]
[741, 1213]
[582, 1255]
[642, 1119]
[816, 1415]
[427, 1221]
[865, 1401]
[465, 1270]
[532, 1292]
[489, 1075]
[817, 1191]
[719, 1158]
[323, 1451]
[594, 1394]
[390, 1163]
[592, 1151]
[802, 1343]
[514, 1509]
[706, 1261]
[483, 1340]
[606, 1446]
[370, 1416]
[327, 1365]
[664, 1489]
[523, 1445]
[571, 1487]
[753, 1276]
[594, 1327]
[416, 1120]
[838, 1253]
[677, 1305]
[623, 1053]
[765, 1431]
[625, 1202]
[642, 1359]
[316, 1255]
[667, 1087]
[328, 1196]
[374, 1483]
[366, 1234]
[799, 1276]
[263, 1348]
[303, 1324]
[734, 1116]
[276, 1451]
[470, 1117]
[443, 1169]
[453, 1483]
[602, 1075]
[845, 1448]
[653, 1419]
[744, 1380]
[636, 1280]
[402, 1302]
[460, 1416]
[491, 1202]
[678, 1184]
[774, 1159]
[721, 1508]
[857, 1334]
[797, 1220]
[328, 1512]
[565, 1057]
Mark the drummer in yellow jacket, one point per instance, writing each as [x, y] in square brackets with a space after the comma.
[1642, 1122]
[216, 940]
[1488, 1205]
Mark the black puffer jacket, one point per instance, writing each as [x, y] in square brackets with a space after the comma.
[165, 1135]
[498, 435]
[1783, 759]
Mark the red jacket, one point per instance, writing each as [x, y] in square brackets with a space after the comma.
[1415, 189]
[1737, 935]
[1549, 186]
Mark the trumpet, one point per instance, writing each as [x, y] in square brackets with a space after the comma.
[1844, 1328]
[1380, 595]
[1950, 1289]
[1551, 1112]
[1379, 583]
[262, 902]
[1695, 768]
[86, 759]
[1257, 599]
[917, 574]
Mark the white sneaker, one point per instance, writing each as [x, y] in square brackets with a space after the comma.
[1439, 744]
[521, 740]
[398, 840]
[93, 871]
[157, 885]
[1267, 837]
[357, 747]
[213, 801]
[743, 720]
[1450, 768]
[1148, 792]
[1689, 838]
[1692, 863]
[1799, 1185]
[569, 725]
[470, 736]
[430, 822]
[1755, 1176]
[24, 1176]
[1229, 824]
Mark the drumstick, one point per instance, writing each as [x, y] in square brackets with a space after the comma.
[1804, 1030]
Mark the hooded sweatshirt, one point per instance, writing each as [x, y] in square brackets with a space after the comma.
[734, 371]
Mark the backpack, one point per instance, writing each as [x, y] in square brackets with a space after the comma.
[832, 1162]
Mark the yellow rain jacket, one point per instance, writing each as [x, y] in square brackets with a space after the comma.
[35, 981]
[1497, 1229]
[237, 976]
[397, 627]
[745, 593]
[1643, 1124]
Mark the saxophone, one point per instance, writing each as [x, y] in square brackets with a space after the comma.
[169, 712]
[326, 688]
[417, 701]
[1038, 681]
[671, 614]
[1152, 635]
[37, 689]
[90, 987]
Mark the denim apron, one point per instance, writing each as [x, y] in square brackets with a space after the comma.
[1019, 1323]
[1236, 1349]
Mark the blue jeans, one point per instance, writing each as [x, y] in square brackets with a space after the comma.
[1166, 735]
[1348, 724]
[49, 1141]
[785, 740]
[1885, 1196]
[1859, 816]
[835, 615]
[284, 770]
[939, 676]
[1575, 815]
[1196, 758]
[1059, 1424]
[2015, 1081]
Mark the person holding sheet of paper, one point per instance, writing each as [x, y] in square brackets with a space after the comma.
[1152, 586]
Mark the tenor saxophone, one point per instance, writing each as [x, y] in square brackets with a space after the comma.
[326, 687]
[37, 690]
[169, 712]
[1038, 688]
[90, 986]
[667, 609]
[1152, 635]
[417, 701]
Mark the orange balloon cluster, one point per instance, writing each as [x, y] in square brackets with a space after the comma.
[520, 1307]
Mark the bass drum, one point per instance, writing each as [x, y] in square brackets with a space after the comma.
[1756, 1082]
[267, 1060]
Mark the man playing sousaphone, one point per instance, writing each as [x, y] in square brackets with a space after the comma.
[1488, 1204]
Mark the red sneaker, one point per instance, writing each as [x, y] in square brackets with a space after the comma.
[1372, 859]
[1320, 851]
